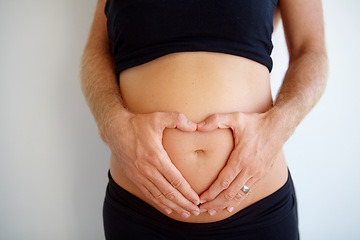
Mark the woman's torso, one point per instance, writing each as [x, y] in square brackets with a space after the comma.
[199, 84]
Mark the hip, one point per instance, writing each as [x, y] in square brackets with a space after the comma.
[273, 217]
[273, 181]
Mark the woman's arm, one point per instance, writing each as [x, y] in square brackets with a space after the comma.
[135, 139]
[263, 135]
[306, 77]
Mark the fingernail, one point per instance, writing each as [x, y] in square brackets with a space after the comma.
[168, 211]
[185, 214]
[195, 213]
[196, 203]
[201, 124]
[202, 201]
[230, 209]
[203, 210]
[212, 212]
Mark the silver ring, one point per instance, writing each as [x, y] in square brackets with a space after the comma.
[245, 189]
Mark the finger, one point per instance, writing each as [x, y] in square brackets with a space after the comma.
[178, 182]
[153, 193]
[177, 120]
[224, 179]
[149, 195]
[219, 120]
[251, 184]
[172, 194]
[242, 187]
[160, 170]
[228, 197]
[167, 178]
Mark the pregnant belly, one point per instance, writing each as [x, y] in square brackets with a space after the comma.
[199, 156]
[198, 84]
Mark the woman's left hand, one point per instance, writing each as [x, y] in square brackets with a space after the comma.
[258, 139]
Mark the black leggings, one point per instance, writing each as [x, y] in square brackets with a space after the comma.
[128, 217]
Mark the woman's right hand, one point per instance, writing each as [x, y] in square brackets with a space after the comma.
[136, 141]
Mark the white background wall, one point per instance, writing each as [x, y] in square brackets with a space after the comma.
[53, 166]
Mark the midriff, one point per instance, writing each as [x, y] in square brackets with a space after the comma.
[199, 84]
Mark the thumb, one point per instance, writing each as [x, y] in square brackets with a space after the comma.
[179, 121]
[219, 120]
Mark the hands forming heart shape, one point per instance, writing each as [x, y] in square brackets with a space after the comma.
[257, 141]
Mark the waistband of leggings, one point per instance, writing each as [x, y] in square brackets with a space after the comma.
[255, 214]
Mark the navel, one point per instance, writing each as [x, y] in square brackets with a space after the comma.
[199, 151]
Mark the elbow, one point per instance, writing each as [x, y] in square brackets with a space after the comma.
[308, 50]
[313, 60]
[314, 55]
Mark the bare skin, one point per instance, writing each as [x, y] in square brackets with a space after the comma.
[250, 160]
[302, 87]
[101, 91]
[199, 84]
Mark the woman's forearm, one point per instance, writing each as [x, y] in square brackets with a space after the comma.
[97, 75]
[100, 87]
[303, 85]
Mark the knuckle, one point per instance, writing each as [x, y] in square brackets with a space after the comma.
[226, 177]
[145, 170]
[237, 116]
[157, 119]
[238, 196]
[149, 195]
[170, 195]
[152, 157]
[155, 161]
[176, 183]
[229, 195]
[139, 165]
[160, 197]
[225, 184]
[246, 159]
[179, 117]
[216, 117]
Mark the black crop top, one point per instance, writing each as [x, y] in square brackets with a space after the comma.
[143, 30]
